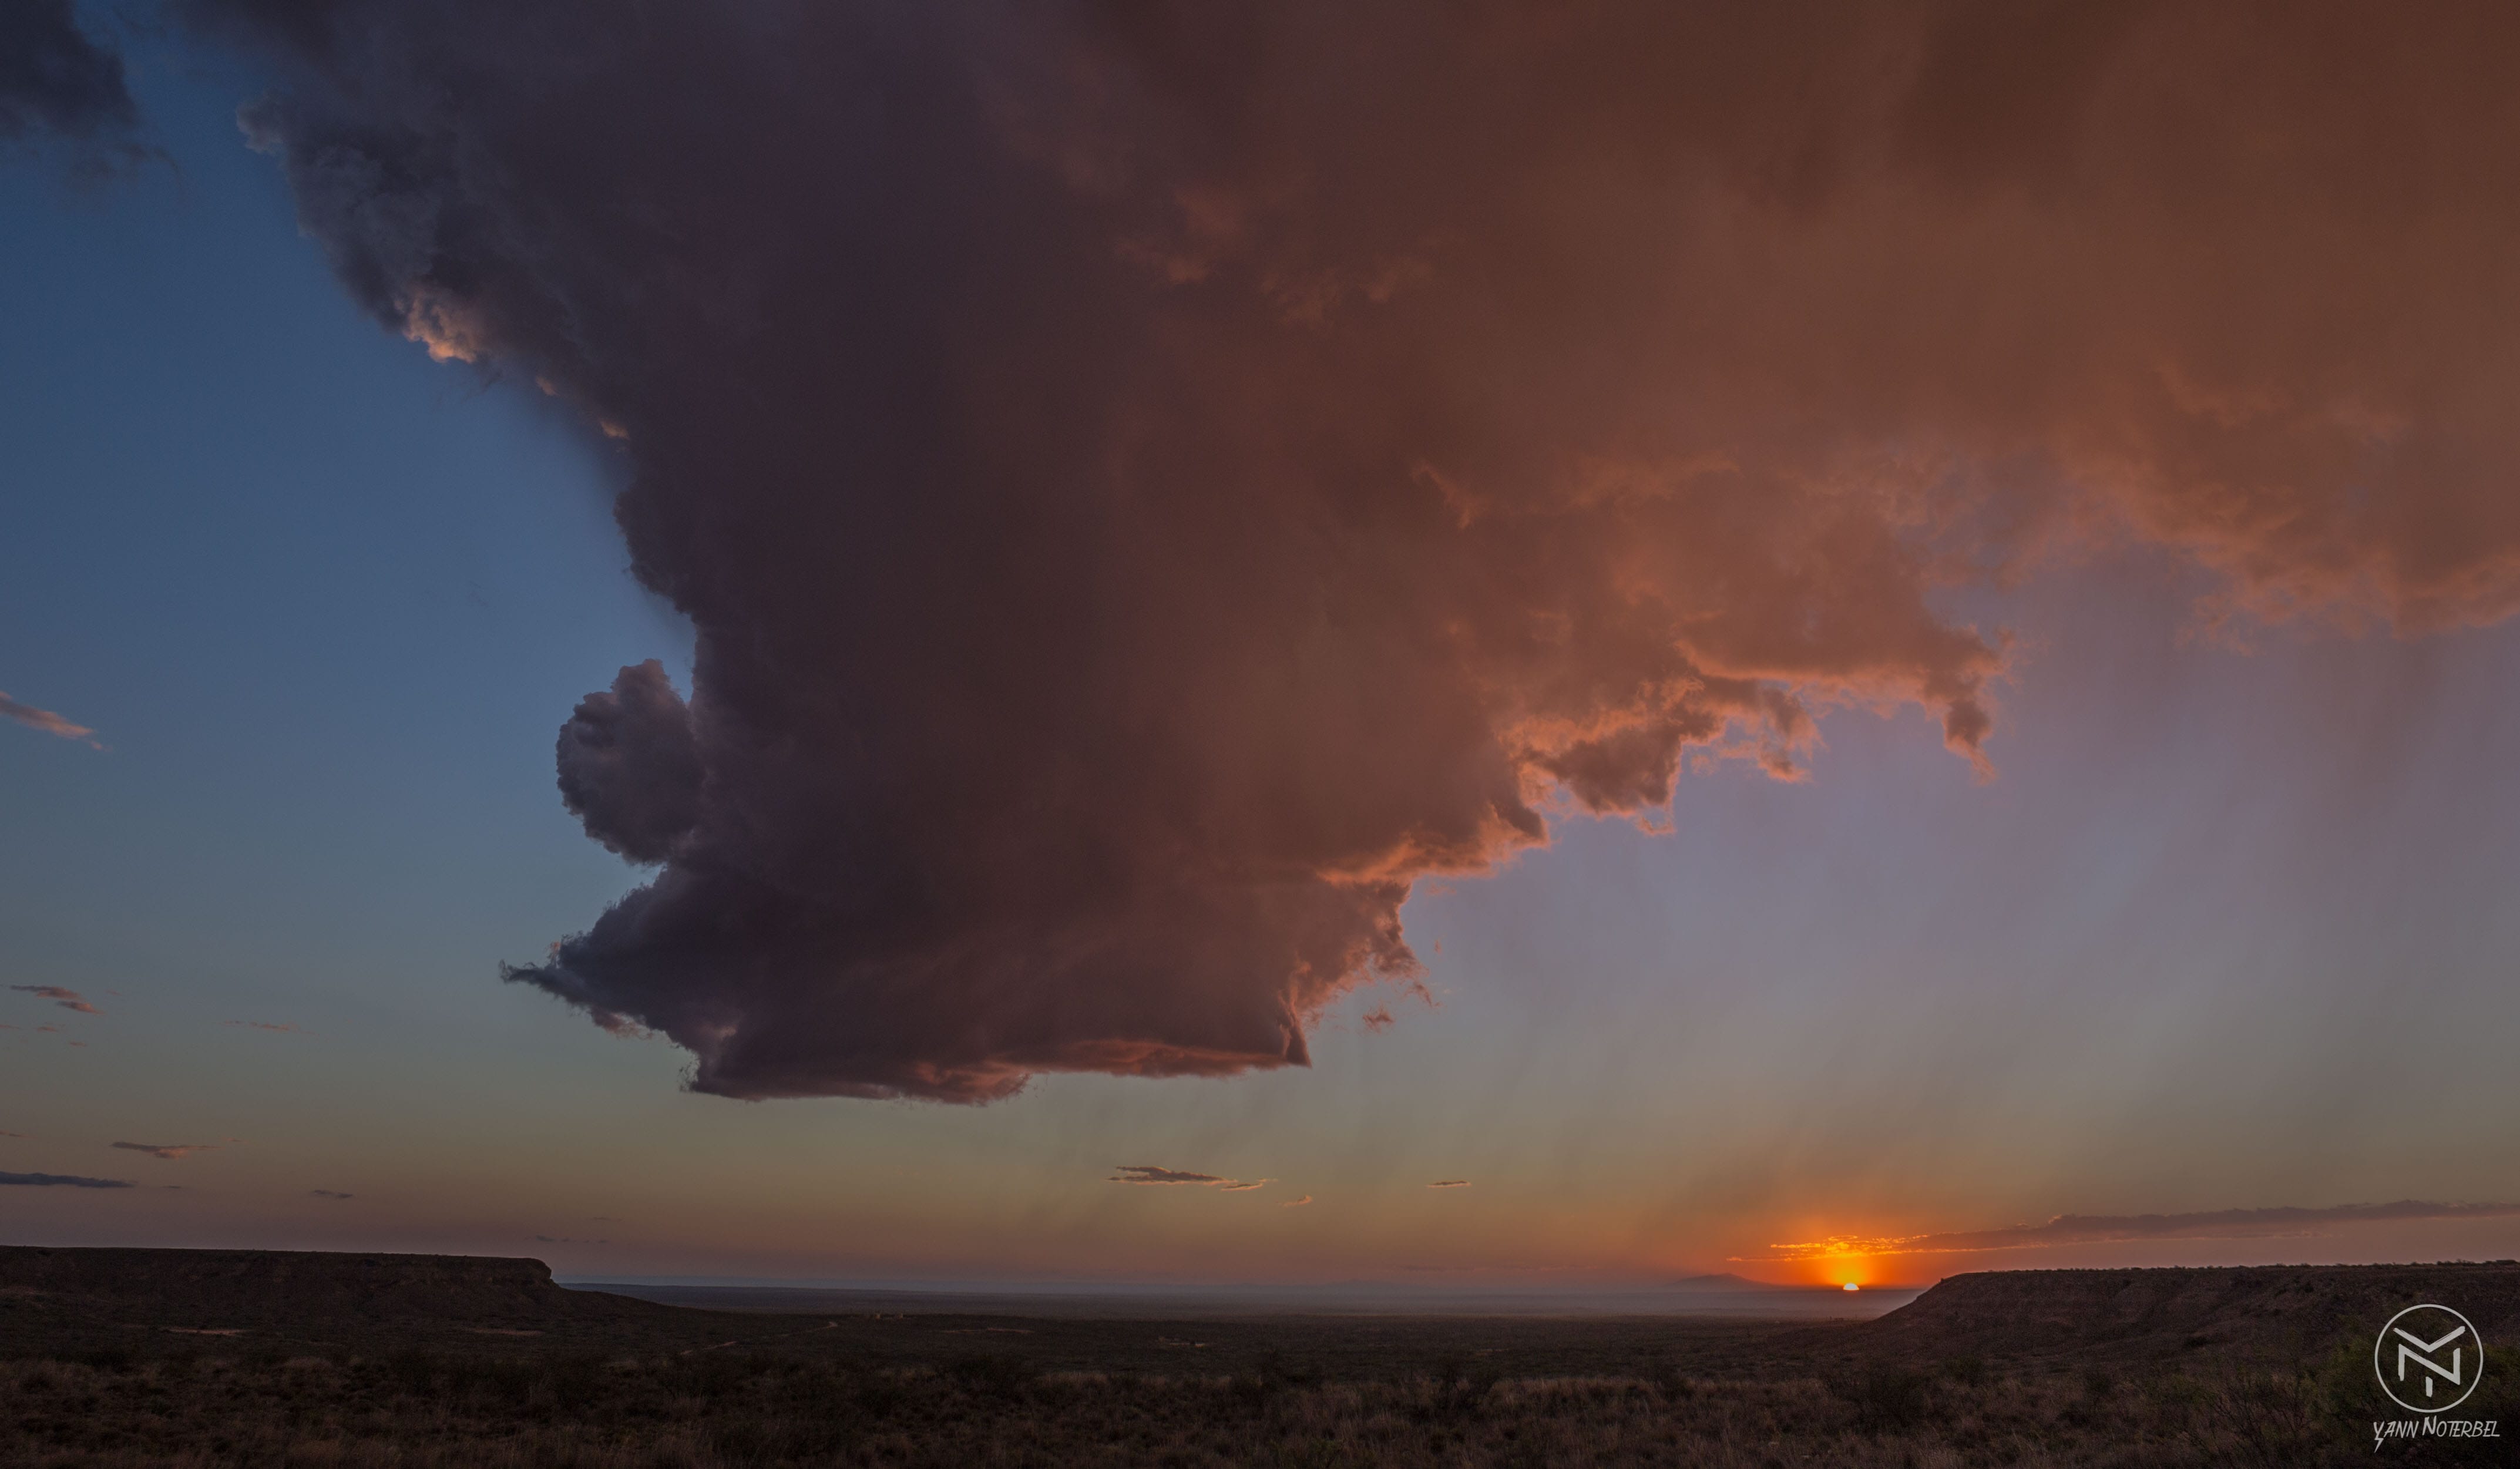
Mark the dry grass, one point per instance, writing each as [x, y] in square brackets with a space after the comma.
[704, 1411]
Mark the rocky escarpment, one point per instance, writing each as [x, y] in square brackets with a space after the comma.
[2289, 1312]
[99, 1294]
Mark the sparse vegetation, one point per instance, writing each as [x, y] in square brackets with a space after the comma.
[707, 1411]
[114, 1359]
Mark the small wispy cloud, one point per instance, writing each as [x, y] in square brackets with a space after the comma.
[168, 1149]
[1449, 1183]
[2111, 1229]
[1296, 1203]
[68, 1000]
[1148, 1174]
[61, 1181]
[47, 721]
[329, 1193]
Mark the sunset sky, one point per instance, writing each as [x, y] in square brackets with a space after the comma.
[1839, 645]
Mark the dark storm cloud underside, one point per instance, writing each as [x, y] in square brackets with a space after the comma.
[1149, 481]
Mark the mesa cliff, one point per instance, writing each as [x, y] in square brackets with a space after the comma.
[2290, 1312]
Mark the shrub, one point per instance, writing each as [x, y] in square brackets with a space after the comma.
[1886, 1399]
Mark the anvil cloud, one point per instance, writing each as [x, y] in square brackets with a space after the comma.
[1153, 481]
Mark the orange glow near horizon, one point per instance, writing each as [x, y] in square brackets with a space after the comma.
[1848, 1271]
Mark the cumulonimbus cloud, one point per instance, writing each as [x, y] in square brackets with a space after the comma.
[61, 1181]
[170, 1150]
[1153, 482]
[2105, 1229]
[68, 1000]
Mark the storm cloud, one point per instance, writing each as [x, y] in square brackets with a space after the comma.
[1151, 481]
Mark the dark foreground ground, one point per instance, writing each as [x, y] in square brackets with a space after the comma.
[129, 1358]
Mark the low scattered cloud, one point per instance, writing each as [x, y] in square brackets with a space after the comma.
[61, 1181]
[1449, 1183]
[169, 1149]
[68, 1000]
[1296, 1203]
[2108, 1228]
[329, 1193]
[1148, 1174]
[45, 719]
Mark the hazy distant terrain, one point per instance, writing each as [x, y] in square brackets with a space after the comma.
[195, 1357]
[1703, 1296]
